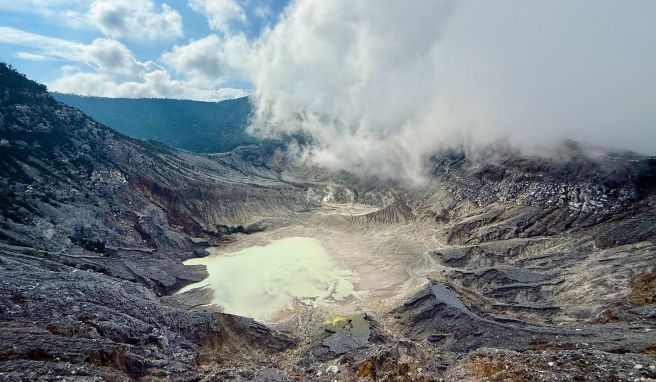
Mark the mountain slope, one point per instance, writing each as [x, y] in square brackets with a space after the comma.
[93, 229]
[202, 127]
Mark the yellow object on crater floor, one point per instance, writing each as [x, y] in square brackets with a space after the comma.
[335, 320]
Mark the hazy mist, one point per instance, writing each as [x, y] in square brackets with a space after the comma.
[380, 85]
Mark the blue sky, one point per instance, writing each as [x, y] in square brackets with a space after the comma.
[92, 36]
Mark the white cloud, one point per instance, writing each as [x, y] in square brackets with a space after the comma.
[43, 7]
[48, 46]
[263, 11]
[219, 13]
[211, 58]
[102, 54]
[135, 19]
[357, 73]
[32, 56]
[201, 58]
[114, 70]
[230, 93]
[153, 84]
[111, 56]
[380, 85]
[69, 13]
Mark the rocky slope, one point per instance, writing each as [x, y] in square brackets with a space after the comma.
[527, 268]
[93, 230]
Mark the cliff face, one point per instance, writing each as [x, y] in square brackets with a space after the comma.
[548, 260]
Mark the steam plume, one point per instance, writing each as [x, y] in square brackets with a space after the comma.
[380, 84]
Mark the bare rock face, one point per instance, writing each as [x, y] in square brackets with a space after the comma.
[347, 334]
[531, 197]
[68, 315]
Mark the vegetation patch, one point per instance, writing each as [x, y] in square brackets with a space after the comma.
[643, 288]
[485, 367]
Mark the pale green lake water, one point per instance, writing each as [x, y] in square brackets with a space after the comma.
[265, 281]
